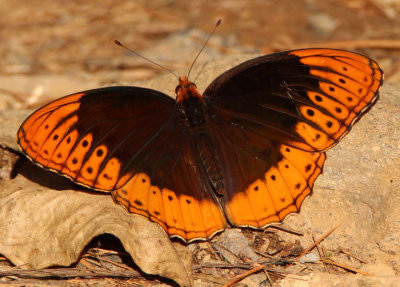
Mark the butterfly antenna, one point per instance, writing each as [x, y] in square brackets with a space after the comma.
[204, 45]
[143, 57]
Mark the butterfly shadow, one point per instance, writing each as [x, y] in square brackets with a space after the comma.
[43, 177]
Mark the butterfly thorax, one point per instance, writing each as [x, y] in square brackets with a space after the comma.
[192, 105]
[186, 89]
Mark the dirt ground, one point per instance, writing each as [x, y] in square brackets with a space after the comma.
[54, 48]
[76, 37]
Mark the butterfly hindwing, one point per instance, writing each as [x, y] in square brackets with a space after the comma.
[263, 187]
[181, 201]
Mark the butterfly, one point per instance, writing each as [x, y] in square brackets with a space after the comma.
[246, 152]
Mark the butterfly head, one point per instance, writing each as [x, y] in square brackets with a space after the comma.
[186, 89]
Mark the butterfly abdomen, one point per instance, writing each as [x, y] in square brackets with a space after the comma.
[195, 110]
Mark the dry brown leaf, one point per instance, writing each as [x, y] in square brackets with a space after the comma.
[49, 224]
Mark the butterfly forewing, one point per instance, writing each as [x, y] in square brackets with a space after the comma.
[308, 99]
[86, 136]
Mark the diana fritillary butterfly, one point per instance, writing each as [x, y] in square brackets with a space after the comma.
[247, 151]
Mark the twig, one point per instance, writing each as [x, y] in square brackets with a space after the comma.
[276, 261]
[321, 253]
[248, 265]
[354, 44]
[345, 267]
[353, 256]
[293, 275]
[88, 263]
[117, 264]
[65, 273]
[317, 242]
[286, 229]
[244, 275]
[223, 265]
[267, 275]
[105, 252]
